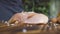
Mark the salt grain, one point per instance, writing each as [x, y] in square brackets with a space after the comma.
[24, 30]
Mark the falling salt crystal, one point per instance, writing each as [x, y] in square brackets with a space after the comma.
[24, 30]
[30, 25]
[27, 25]
[7, 23]
[55, 25]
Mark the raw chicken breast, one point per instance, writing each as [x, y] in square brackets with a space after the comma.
[30, 18]
[36, 19]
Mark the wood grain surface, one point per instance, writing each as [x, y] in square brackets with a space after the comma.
[30, 30]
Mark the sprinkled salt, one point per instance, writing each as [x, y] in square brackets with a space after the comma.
[7, 23]
[24, 30]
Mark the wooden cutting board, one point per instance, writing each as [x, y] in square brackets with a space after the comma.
[17, 30]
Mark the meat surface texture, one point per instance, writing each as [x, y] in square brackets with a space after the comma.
[31, 18]
[37, 19]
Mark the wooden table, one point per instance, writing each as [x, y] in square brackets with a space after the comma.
[18, 30]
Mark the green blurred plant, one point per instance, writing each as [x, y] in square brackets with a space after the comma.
[36, 5]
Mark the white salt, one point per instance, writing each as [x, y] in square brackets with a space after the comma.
[24, 30]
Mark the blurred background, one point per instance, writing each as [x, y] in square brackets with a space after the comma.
[39, 6]
[47, 7]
